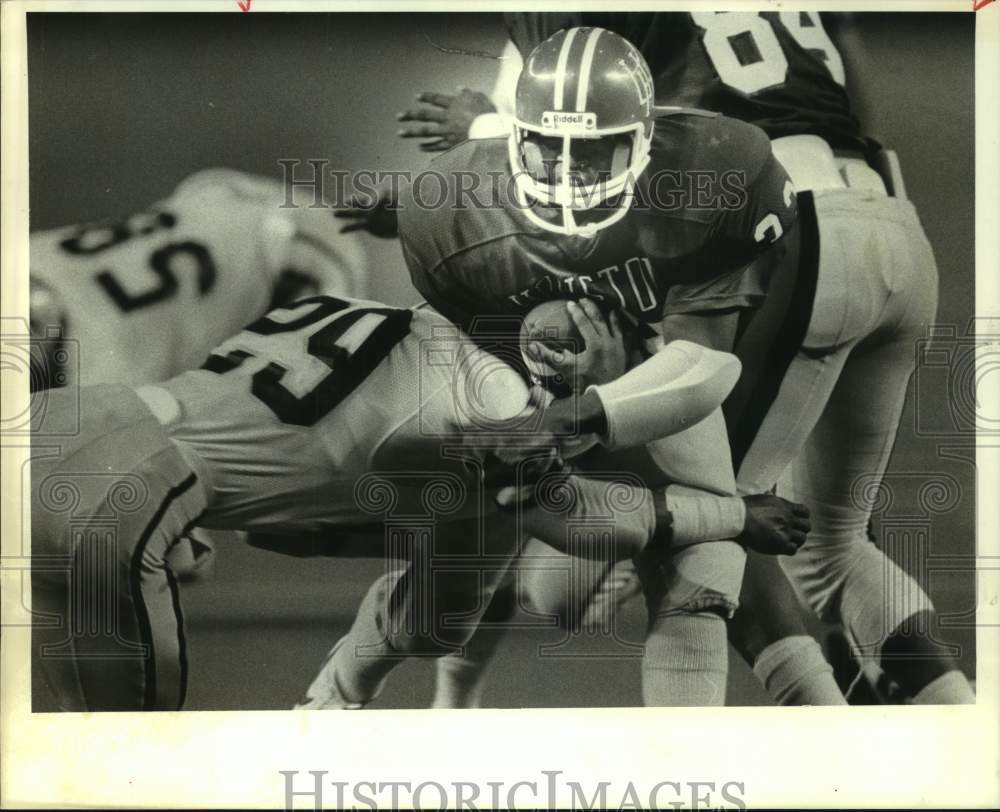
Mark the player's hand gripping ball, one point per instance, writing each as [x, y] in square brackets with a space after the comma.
[569, 346]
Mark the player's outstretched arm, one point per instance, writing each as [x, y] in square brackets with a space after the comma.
[603, 520]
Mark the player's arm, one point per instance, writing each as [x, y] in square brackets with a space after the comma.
[743, 248]
[676, 388]
[446, 120]
[681, 386]
[768, 524]
[733, 267]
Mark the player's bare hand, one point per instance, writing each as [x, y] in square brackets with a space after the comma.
[521, 451]
[570, 417]
[376, 215]
[511, 440]
[442, 119]
[774, 526]
[603, 356]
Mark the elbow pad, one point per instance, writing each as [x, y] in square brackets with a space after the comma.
[676, 388]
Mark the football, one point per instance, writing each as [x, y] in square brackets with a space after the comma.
[551, 324]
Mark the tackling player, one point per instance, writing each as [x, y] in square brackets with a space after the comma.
[326, 415]
[148, 297]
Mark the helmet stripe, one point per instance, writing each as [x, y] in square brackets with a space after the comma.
[560, 85]
[583, 80]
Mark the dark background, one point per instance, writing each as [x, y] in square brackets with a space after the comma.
[122, 107]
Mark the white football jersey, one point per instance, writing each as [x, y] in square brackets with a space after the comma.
[148, 297]
[330, 411]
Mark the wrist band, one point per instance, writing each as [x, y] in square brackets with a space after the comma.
[704, 518]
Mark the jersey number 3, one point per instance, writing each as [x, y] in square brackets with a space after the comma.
[724, 31]
[311, 355]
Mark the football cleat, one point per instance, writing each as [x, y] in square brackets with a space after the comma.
[324, 692]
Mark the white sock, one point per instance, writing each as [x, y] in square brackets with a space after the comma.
[795, 672]
[951, 688]
[461, 677]
[460, 682]
[686, 661]
[366, 656]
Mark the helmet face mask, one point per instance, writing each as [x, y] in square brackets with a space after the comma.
[582, 130]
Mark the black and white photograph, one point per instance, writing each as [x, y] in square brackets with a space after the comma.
[467, 359]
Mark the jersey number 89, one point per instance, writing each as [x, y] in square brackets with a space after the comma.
[724, 29]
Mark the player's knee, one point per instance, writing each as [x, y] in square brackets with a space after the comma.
[415, 624]
[700, 578]
[707, 606]
[820, 568]
[545, 592]
[849, 580]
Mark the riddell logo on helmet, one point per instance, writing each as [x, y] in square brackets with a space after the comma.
[575, 122]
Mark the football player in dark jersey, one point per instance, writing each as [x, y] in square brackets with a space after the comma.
[781, 71]
[674, 219]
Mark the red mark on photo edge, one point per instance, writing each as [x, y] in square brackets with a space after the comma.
[978, 4]
[245, 4]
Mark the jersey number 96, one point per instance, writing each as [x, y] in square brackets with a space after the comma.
[311, 355]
